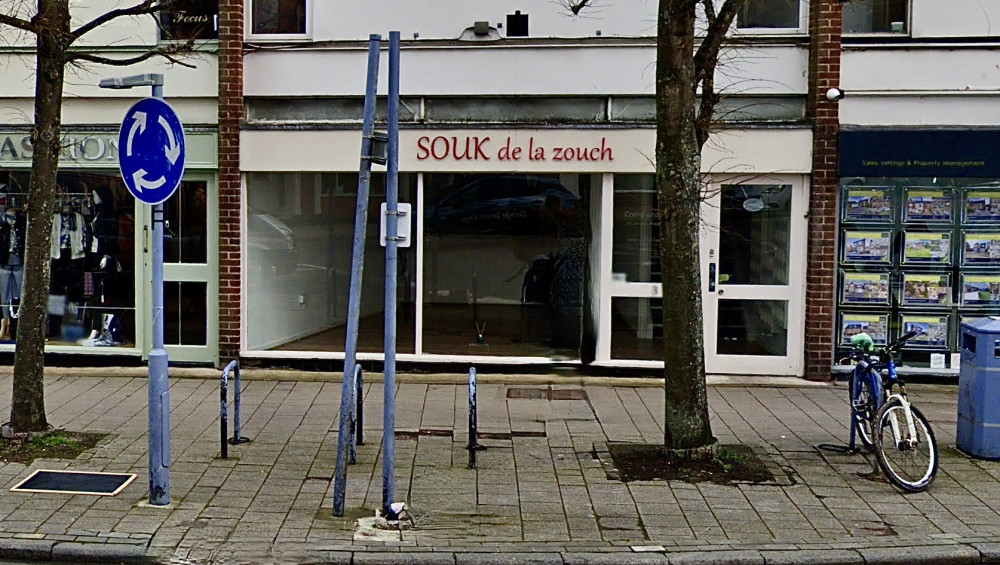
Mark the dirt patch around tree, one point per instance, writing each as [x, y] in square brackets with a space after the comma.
[725, 464]
[57, 444]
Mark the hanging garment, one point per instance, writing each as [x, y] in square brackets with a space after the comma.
[68, 233]
[12, 239]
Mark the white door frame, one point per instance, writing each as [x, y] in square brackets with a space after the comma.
[792, 363]
[183, 272]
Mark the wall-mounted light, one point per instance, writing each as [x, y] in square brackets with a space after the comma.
[835, 94]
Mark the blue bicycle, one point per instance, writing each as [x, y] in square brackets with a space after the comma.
[885, 420]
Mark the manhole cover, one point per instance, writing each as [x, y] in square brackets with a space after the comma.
[74, 482]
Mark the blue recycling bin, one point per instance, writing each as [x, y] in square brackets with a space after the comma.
[978, 428]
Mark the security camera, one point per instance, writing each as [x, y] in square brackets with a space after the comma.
[834, 94]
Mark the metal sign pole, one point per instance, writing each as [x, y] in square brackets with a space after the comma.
[357, 267]
[151, 160]
[391, 255]
[159, 385]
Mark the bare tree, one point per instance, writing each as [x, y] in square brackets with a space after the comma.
[55, 40]
[682, 128]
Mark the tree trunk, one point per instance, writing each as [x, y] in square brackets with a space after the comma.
[28, 403]
[678, 160]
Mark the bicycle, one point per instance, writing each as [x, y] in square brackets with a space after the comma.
[886, 422]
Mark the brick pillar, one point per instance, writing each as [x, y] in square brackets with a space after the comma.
[230, 185]
[825, 27]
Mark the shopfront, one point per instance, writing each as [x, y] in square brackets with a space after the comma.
[919, 229]
[100, 296]
[529, 246]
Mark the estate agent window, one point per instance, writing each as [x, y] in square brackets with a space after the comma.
[876, 16]
[190, 19]
[278, 17]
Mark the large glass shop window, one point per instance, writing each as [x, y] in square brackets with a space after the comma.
[91, 299]
[505, 264]
[300, 233]
[917, 253]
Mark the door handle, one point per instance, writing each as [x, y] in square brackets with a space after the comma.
[711, 277]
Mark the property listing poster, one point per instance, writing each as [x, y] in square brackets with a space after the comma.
[926, 290]
[933, 330]
[982, 205]
[866, 288]
[980, 290]
[981, 249]
[927, 205]
[932, 248]
[868, 205]
[867, 246]
[873, 324]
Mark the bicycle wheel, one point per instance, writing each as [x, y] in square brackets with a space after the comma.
[910, 463]
[864, 406]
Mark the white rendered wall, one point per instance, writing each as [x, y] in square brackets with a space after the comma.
[499, 70]
[921, 86]
[446, 19]
[192, 92]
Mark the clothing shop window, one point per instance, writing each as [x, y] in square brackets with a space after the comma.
[300, 233]
[769, 14]
[91, 299]
[190, 19]
[278, 17]
[876, 16]
[505, 264]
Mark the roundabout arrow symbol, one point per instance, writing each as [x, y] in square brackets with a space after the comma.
[139, 178]
[138, 124]
[173, 150]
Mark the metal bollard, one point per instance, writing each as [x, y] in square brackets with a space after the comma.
[359, 402]
[357, 415]
[232, 367]
[474, 445]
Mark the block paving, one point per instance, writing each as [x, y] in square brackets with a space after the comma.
[540, 492]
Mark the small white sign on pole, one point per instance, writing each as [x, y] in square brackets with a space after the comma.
[402, 226]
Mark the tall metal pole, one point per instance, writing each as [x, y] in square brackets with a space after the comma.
[159, 386]
[391, 254]
[357, 267]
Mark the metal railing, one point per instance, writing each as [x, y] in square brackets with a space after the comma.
[232, 367]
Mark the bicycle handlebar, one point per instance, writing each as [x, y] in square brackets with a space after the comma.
[858, 354]
[903, 339]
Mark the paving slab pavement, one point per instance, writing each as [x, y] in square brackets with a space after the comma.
[541, 492]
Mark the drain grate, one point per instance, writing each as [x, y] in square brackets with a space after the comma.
[414, 434]
[75, 482]
[547, 393]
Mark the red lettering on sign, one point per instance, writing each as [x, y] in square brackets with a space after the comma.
[422, 151]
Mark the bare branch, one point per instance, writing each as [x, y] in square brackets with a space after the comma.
[18, 23]
[710, 14]
[706, 59]
[168, 52]
[145, 7]
[577, 7]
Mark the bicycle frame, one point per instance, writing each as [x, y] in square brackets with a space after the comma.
[864, 369]
[871, 371]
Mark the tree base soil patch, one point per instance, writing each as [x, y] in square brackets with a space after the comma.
[724, 464]
[59, 444]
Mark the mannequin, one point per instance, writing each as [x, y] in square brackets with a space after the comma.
[12, 233]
